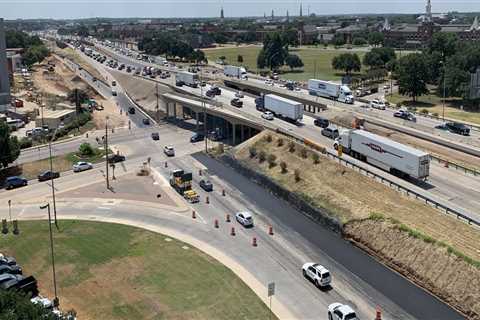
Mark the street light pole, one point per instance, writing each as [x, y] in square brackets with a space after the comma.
[47, 206]
[444, 77]
[106, 151]
[204, 105]
[53, 184]
[10, 210]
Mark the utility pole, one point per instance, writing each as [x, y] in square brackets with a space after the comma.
[77, 106]
[106, 151]
[55, 301]
[53, 185]
[444, 81]
[10, 210]
[204, 105]
[156, 108]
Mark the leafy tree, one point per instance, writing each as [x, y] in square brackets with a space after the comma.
[379, 57]
[293, 61]
[86, 149]
[261, 61]
[15, 306]
[376, 38]
[35, 54]
[338, 40]
[240, 58]
[9, 146]
[274, 52]
[412, 75]
[82, 96]
[359, 41]
[347, 62]
[83, 31]
[443, 43]
[290, 37]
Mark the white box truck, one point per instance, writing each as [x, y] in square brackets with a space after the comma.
[283, 108]
[186, 78]
[234, 71]
[384, 153]
[330, 90]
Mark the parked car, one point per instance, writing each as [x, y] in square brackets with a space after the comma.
[239, 94]
[146, 121]
[114, 93]
[321, 122]
[15, 182]
[82, 166]
[377, 104]
[404, 114]
[114, 158]
[10, 269]
[267, 115]
[8, 277]
[169, 150]
[317, 273]
[330, 132]
[131, 110]
[244, 218]
[7, 260]
[338, 311]
[197, 137]
[458, 128]
[155, 136]
[236, 103]
[206, 185]
[48, 175]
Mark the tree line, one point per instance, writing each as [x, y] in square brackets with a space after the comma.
[35, 50]
[170, 46]
[275, 54]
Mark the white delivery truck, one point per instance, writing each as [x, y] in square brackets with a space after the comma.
[283, 108]
[330, 90]
[234, 71]
[186, 78]
[384, 153]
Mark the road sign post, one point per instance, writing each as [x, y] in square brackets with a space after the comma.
[271, 292]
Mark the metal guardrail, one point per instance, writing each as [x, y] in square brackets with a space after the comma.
[448, 163]
[387, 181]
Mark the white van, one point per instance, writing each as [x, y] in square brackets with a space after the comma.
[15, 124]
[377, 104]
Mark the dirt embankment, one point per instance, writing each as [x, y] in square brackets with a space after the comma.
[438, 263]
[428, 264]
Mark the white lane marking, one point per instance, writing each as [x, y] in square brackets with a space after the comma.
[104, 208]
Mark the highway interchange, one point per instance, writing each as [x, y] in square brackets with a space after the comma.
[359, 280]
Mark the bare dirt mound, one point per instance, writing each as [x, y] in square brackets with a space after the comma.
[428, 264]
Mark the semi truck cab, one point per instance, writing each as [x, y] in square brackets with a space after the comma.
[345, 95]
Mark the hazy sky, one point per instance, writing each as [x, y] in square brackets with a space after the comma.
[12, 9]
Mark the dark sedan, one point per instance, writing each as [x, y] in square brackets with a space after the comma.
[114, 158]
[236, 103]
[458, 128]
[197, 137]
[10, 269]
[206, 185]
[48, 175]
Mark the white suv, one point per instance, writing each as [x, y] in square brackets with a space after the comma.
[317, 273]
[377, 104]
[244, 218]
[338, 311]
[267, 115]
[169, 151]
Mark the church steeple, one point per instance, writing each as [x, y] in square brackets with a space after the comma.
[428, 12]
[301, 10]
[221, 14]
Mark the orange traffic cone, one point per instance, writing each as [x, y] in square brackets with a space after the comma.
[254, 242]
[228, 218]
[270, 230]
[215, 223]
[232, 232]
[194, 216]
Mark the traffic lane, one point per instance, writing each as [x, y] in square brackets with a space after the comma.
[290, 253]
[126, 105]
[406, 295]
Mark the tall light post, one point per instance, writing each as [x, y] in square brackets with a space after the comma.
[106, 152]
[204, 106]
[10, 210]
[444, 81]
[55, 301]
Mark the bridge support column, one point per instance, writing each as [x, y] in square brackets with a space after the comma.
[234, 127]
[196, 117]
[167, 105]
[175, 111]
[242, 131]
[249, 132]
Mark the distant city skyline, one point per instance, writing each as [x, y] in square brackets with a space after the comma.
[183, 9]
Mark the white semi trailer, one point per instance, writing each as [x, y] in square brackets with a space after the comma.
[330, 90]
[186, 78]
[384, 153]
[284, 108]
[234, 71]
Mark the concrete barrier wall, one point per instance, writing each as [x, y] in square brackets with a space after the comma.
[319, 215]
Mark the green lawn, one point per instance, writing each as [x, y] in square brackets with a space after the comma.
[108, 271]
[309, 55]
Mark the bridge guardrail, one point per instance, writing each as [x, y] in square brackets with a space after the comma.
[392, 184]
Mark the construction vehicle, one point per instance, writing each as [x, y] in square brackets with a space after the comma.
[182, 182]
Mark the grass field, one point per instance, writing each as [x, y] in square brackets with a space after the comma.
[310, 56]
[108, 271]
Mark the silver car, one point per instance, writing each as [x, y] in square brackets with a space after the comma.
[82, 166]
[244, 218]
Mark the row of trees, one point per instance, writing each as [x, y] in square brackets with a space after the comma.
[274, 53]
[35, 50]
[169, 45]
[376, 59]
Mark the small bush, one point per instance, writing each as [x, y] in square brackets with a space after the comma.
[220, 148]
[304, 153]
[316, 158]
[424, 111]
[435, 114]
[280, 142]
[376, 216]
[283, 166]
[86, 149]
[271, 160]
[291, 146]
[25, 143]
[262, 156]
[268, 138]
[252, 151]
[296, 174]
